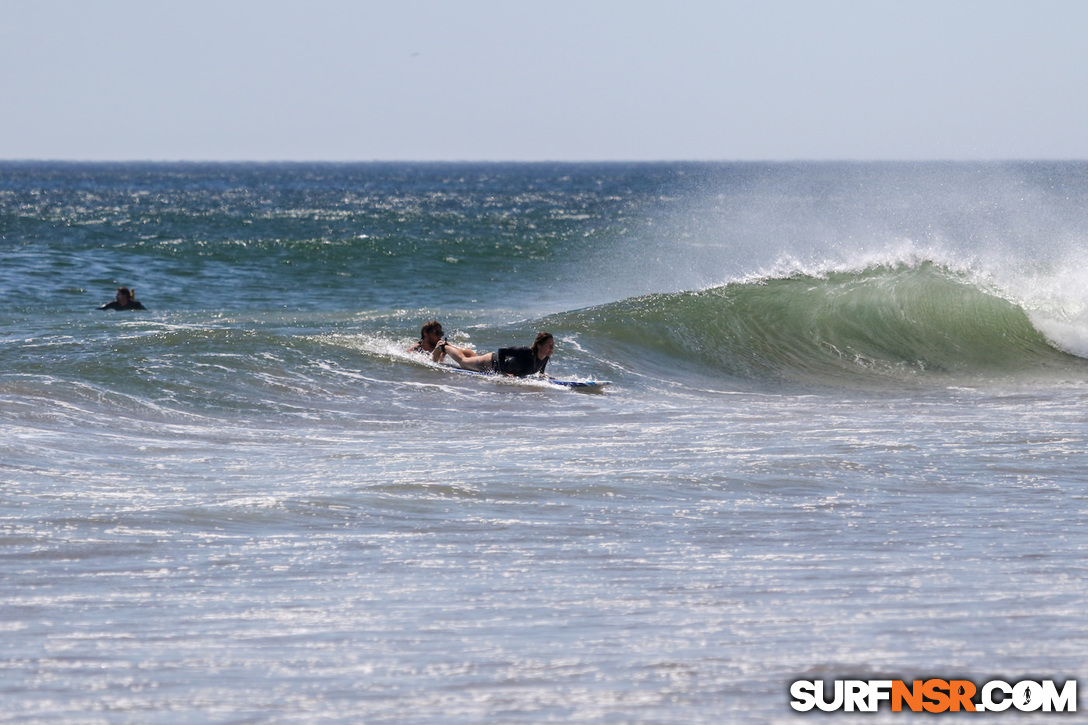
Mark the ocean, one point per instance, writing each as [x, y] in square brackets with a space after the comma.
[845, 439]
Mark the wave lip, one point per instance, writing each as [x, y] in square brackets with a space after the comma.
[902, 322]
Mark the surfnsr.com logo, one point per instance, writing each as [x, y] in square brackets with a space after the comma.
[934, 695]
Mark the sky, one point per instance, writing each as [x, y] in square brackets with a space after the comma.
[536, 80]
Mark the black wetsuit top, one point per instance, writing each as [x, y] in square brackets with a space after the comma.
[115, 305]
[519, 361]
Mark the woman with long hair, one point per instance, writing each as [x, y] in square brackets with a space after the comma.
[517, 361]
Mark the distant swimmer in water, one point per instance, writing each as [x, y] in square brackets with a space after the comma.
[517, 361]
[126, 300]
[430, 341]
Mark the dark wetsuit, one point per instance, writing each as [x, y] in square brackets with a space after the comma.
[519, 361]
[115, 305]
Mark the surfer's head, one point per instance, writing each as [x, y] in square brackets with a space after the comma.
[543, 345]
[434, 327]
[431, 335]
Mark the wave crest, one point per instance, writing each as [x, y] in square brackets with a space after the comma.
[902, 321]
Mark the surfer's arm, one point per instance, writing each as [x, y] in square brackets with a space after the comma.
[444, 347]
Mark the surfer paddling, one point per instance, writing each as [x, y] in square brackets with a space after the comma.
[125, 300]
[431, 342]
[517, 361]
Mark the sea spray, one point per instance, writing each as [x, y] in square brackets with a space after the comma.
[897, 323]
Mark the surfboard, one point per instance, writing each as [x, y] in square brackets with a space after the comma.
[584, 385]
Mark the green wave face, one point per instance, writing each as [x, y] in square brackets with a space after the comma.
[883, 323]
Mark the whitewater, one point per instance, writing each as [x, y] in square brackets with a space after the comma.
[845, 438]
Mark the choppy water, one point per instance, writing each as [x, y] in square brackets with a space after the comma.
[846, 437]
